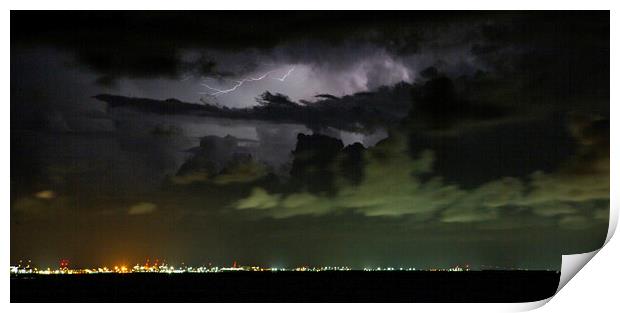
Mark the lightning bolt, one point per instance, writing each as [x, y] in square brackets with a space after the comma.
[220, 91]
[286, 75]
[239, 83]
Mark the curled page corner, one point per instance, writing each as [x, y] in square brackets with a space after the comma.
[528, 306]
[613, 223]
[571, 265]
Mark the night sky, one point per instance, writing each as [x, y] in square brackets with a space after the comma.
[309, 138]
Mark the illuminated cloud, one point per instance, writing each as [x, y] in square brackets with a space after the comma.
[389, 187]
[259, 199]
[575, 222]
[220, 161]
[142, 208]
[45, 194]
[393, 184]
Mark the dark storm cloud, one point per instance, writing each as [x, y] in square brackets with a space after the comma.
[221, 161]
[564, 62]
[134, 44]
[362, 112]
[153, 44]
[438, 106]
[531, 59]
[434, 104]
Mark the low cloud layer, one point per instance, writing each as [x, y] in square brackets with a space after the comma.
[142, 208]
[395, 184]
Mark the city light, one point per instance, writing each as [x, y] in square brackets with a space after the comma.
[157, 267]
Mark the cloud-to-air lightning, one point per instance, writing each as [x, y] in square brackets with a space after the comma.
[286, 75]
[239, 83]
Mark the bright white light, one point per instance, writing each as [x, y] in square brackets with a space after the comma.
[239, 83]
[286, 75]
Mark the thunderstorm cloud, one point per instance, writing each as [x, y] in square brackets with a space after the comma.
[375, 138]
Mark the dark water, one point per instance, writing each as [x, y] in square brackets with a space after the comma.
[353, 286]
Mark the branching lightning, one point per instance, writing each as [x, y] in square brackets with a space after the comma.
[238, 83]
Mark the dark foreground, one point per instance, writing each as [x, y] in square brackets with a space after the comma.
[487, 286]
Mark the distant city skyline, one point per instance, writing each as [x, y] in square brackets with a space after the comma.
[27, 267]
